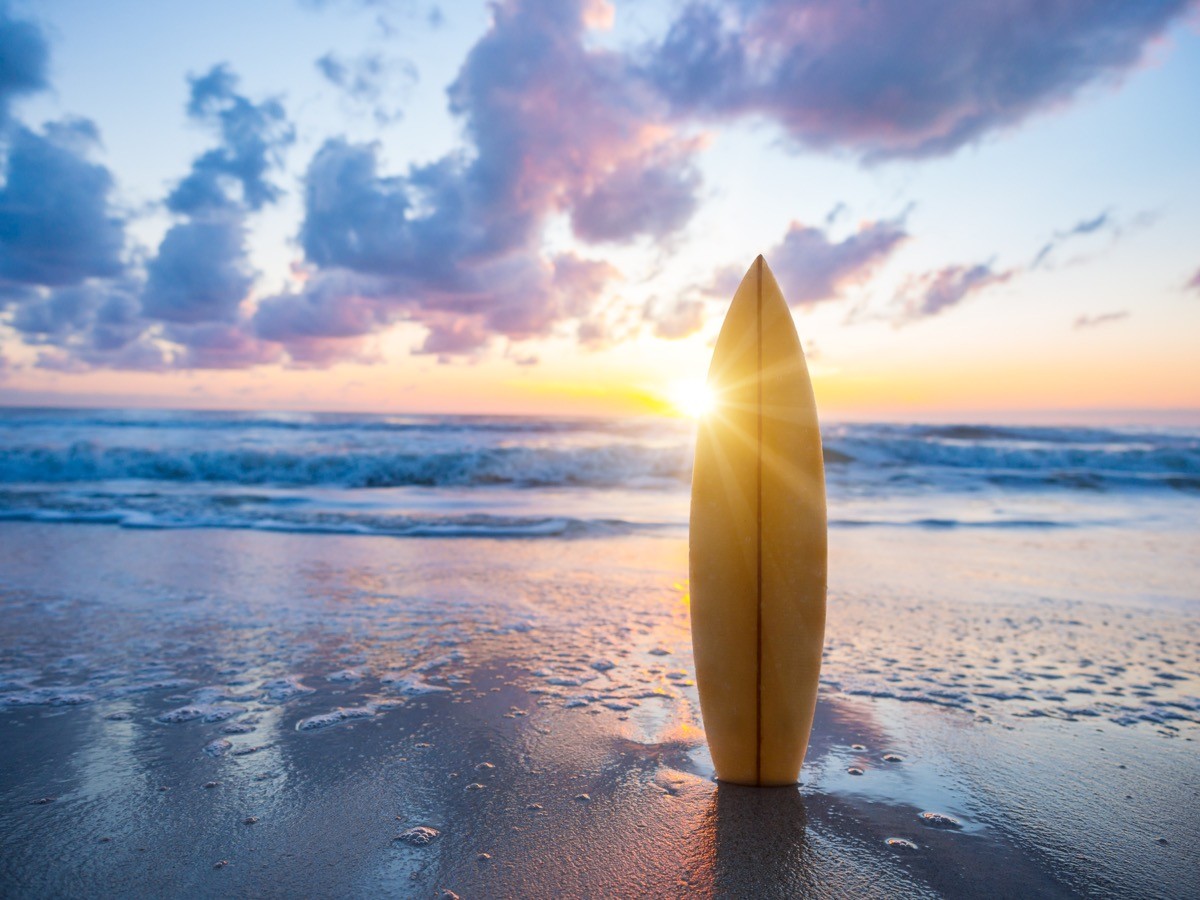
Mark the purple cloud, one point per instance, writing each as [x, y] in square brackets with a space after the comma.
[888, 79]
[811, 267]
[1194, 284]
[455, 245]
[220, 345]
[930, 294]
[652, 195]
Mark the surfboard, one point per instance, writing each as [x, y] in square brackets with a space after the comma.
[758, 539]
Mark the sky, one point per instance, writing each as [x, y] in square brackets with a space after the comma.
[544, 206]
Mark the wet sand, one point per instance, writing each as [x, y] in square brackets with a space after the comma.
[214, 713]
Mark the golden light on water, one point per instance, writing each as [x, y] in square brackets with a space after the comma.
[692, 398]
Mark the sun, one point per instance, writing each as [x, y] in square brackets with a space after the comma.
[692, 398]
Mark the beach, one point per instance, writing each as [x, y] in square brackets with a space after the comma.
[264, 682]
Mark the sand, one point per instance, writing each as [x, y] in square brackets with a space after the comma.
[217, 713]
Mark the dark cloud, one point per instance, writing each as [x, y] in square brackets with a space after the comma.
[1194, 284]
[253, 138]
[57, 225]
[63, 275]
[930, 294]
[886, 79]
[48, 317]
[200, 273]
[1103, 318]
[23, 60]
[371, 82]
[557, 127]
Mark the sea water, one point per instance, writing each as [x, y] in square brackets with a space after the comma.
[473, 476]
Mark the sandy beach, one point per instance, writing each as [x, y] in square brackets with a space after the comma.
[223, 713]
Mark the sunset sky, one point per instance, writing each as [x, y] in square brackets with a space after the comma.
[544, 205]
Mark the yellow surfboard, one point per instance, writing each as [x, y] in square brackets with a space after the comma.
[758, 543]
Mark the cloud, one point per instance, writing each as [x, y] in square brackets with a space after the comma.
[1194, 283]
[1093, 321]
[886, 80]
[934, 292]
[252, 140]
[62, 243]
[456, 244]
[683, 317]
[811, 267]
[200, 273]
[51, 316]
[57, 225]
[371, 82]
[62, 264]
[220, 345]
[97, 323]
[1080, 229]
[651, 196]
[23, 61]
[449, 335]
[558, 128]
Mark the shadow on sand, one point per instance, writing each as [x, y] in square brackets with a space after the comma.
[757, 841]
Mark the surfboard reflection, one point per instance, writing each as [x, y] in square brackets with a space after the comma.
[759, 841]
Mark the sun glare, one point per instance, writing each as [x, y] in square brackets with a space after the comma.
[692, 398]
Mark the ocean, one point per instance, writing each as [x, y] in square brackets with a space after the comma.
[484, 476]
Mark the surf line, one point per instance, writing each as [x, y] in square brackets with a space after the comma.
[758, 263]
